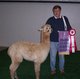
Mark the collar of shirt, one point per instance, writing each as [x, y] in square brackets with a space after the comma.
[57, 17]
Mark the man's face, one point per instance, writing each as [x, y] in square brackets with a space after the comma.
[57, 12]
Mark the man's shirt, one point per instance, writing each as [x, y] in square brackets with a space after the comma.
[57, 24]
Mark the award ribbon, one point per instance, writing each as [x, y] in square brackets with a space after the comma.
[73, 46]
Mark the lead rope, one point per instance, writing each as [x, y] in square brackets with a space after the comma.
[65, 25]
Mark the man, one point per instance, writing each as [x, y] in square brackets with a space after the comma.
[57, 24]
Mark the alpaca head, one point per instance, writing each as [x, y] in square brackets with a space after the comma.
[46, 29]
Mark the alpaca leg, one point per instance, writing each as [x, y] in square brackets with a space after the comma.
[16, 77]
[37, 70]
[13, 68]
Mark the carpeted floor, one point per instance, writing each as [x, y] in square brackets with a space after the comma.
[26, 68]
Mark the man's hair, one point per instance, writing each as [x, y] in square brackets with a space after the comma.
[56, 6]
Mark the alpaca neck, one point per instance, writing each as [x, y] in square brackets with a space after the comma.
[45, 38]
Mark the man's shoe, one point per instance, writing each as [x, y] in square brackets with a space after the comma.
[53, 72]
[62, 72]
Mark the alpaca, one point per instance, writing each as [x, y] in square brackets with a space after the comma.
[35, 52]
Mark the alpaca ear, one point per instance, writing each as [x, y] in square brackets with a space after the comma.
[40, 29]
